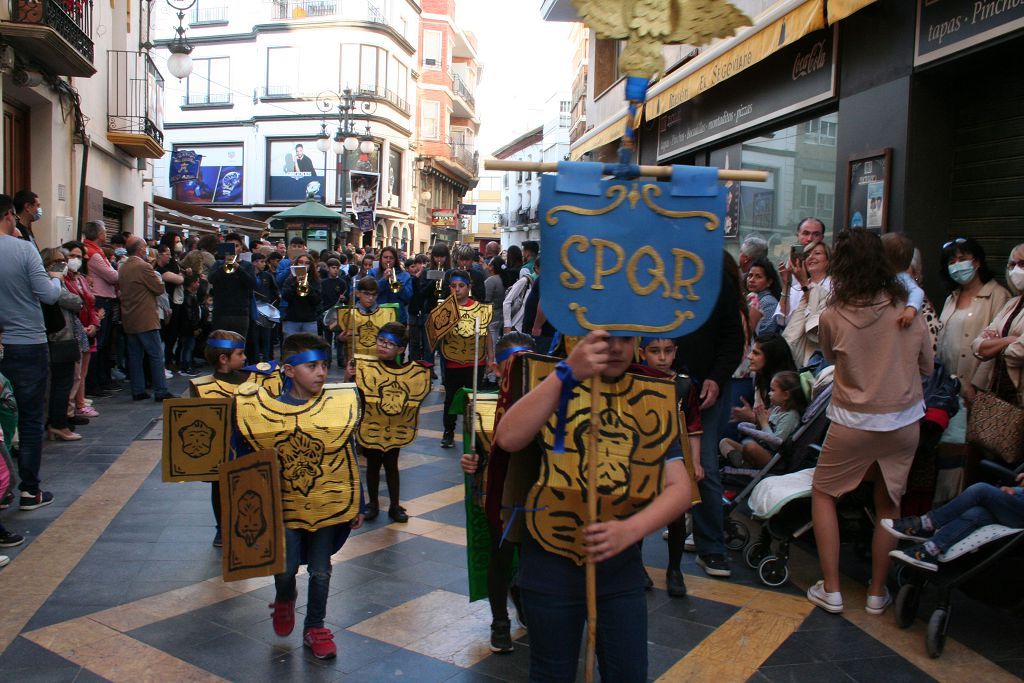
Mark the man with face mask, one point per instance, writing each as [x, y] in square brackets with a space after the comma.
[24, 284]
[29, 210]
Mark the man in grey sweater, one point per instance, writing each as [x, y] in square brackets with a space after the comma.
[24, 284]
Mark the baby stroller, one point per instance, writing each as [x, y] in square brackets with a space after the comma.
[988, 566]
[799, 452]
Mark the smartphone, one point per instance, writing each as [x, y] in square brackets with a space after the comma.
[58, 267]
[796, 252]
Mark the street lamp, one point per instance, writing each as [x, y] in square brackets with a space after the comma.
[180, 61]
[346, 138]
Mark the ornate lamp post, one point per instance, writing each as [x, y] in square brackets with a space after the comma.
[180, 61]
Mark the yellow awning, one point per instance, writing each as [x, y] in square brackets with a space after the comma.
[718, 64]
[840, 9]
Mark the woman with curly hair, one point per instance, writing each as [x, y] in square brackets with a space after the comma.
[876, 405]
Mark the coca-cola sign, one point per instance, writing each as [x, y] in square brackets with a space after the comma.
[810, 61]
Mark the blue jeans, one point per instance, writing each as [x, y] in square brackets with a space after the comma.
[146, 344]
[978, 506]
[741, 388]
[708, 530]
[261, 342]
[317, 546]
[289, 328]
[186, 350]
[99, 363]
[27, 366]
[555, 624]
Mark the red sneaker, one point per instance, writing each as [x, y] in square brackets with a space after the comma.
[283, 617]
[321, 642]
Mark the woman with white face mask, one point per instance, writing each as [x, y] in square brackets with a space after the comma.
[77, 282]
[1000, 347]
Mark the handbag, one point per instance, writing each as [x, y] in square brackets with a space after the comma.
[994, 422]
[65, 351]
[53, 318]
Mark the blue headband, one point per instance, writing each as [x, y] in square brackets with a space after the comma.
[459, 278]
[311, 356]
[644, 341]
[509, 352]
[225, 344]
[391, 338]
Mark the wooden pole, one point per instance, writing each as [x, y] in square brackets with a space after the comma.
[476, 376]
[648, 171]
[592, 438]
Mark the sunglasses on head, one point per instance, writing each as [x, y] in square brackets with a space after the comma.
[957, 241]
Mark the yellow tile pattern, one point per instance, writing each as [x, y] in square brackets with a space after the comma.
[40, 568]
[115, 656]
[442, 625]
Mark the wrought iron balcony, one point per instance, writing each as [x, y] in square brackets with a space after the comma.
[462, 90]
[208, 15]
[465, 155]
[54, 33]
[204, 99]
[336, 9]
[135, 92]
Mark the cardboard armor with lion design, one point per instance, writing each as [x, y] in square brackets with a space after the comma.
[209, 386]
[367, 326]
[391, 402]
[639, 422]
[458, 345]
[319, 474]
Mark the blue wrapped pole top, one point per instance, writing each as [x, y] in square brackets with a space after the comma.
[509, 352]
[226, 343]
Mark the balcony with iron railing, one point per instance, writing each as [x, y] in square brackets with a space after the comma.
[293, 91]
[465, 155]
[345, 10]
[208, 16]
[55, 33]
[135, 92]
[207, 99]
[462, 90]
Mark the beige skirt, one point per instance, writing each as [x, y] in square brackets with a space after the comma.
[848, 454]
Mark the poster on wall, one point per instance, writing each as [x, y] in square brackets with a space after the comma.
[867, 190]
[730, 157]
[207, 174]
[364, 197]
[295, 172]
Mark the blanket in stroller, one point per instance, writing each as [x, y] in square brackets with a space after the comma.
[774, 493]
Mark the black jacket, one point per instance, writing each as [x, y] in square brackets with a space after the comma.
[331, 290]
[300, 309]
[715, 350]
[232, 292]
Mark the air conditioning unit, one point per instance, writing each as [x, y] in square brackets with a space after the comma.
[428, 61]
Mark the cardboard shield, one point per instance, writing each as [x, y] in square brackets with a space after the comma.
[250, 495]
[391, 402]
[634, 256]
[639, 422]
[197, 438]
[442, 320]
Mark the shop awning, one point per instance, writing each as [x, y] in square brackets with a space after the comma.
[840, 9]
[780, 27]
[198, 218]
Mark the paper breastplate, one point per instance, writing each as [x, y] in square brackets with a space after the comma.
[391, 403]
[319, 475]
[457, 345]
[367, 326]
[211, 387]
[638, 423]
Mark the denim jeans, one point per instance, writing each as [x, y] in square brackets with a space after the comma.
[289, 328]
[186, 349]
[978, 506]
[146, 344]
[261, 342]
[62, 377]
[27, 366]
[741, 388]
[99, 363]
[708, 530]
[319, 546]
[555, 624]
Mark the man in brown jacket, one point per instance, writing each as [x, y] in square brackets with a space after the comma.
[140, 287]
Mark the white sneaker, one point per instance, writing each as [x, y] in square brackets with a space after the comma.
[168, 374]
[87, 401]
[830, 602]
[688, 545]
[4, 560]
[877, 604]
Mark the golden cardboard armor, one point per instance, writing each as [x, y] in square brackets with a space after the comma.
[459, 343]
[486, 409]
[391, 403]
[250, 496]
[639, 422]
[319, 475]
[208, 386]
[367, 326]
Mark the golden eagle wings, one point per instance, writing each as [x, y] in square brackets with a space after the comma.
[649, 24]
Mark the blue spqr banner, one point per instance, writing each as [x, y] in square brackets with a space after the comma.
[634, 257]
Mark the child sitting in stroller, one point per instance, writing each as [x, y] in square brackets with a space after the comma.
[980, 505]
[773, 427]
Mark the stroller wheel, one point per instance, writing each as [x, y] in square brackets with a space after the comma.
[756, 552]
[935, 640]
[736, 535]
[907, 600]
[773, 572]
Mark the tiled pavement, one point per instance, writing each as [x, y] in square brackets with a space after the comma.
[118, 581]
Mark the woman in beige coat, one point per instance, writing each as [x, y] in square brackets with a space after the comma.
[877, 402]
[1003, 336]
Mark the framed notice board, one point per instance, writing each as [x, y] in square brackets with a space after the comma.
[867, 190]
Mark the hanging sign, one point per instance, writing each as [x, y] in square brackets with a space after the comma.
[631, 256]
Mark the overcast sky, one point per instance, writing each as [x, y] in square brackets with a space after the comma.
[525, 60]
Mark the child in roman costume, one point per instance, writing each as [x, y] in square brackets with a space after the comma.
[660, 354]
[369, 318]
[392, 393]
[309, 427]
[225, 352]
[460, 344]
[642, 487]
[507, 481]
